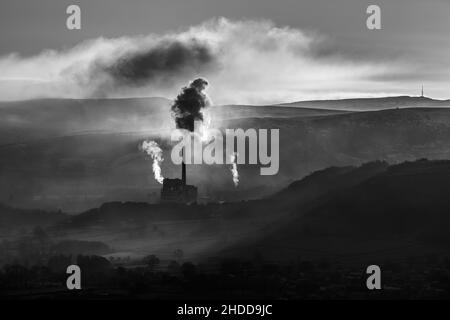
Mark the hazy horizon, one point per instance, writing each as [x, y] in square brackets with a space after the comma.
[280, 103]
[252, 52]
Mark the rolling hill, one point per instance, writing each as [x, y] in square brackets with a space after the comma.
[367, 213]
[370, 213]
[77, 154]
[371, 104]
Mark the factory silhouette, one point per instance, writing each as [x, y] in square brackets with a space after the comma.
[187, 109]
[177, 190]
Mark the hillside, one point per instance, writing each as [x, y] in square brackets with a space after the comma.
[395, 212]
[32, 120]
[13, 219]
[371, 104]
[78, 154]
[367, 213]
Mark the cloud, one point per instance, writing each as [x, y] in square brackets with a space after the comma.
[244, 61]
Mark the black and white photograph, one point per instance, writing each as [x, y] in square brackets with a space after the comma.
[238, 150]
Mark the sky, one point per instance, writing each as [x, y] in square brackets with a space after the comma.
[251, 51]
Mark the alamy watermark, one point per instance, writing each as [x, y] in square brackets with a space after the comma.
[373, 21]
[249, 146]
[73, 21]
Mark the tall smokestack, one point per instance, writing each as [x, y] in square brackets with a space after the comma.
[183, 170]
[187, 108]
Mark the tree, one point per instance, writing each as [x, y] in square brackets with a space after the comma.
[173, 267]
[189, 270]
[40, 235]
[178, 254]
[151, 261]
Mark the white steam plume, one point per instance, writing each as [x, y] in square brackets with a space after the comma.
[153, 150]
[234, 170]
[205, 126]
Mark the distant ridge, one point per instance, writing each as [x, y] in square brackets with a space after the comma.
[352, 104]
[370, 104]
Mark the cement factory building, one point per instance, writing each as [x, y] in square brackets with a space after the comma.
[176, 190]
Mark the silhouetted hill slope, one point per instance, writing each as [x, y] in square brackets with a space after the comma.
[228, 112]
[407, 199]
[118, 214]
[304, 192]
[399, 211]
[332, 178]
[371, 212]
[21, 121]
[367, 104]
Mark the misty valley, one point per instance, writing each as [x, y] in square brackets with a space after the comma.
[353, 187]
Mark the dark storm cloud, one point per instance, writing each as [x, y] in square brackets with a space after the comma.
[252, 62]
[162, 62]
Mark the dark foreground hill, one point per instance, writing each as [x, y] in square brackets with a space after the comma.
[312, 240]
[375, 210]
[370, 213]
[13, 219]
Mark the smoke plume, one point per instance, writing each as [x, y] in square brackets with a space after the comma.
[153, 150]
[234, 170]
[189, 104]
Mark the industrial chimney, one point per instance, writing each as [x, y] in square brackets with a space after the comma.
[183, 164]
[176, 190]
[183, 171]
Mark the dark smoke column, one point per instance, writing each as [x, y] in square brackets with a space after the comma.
[188, 105]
